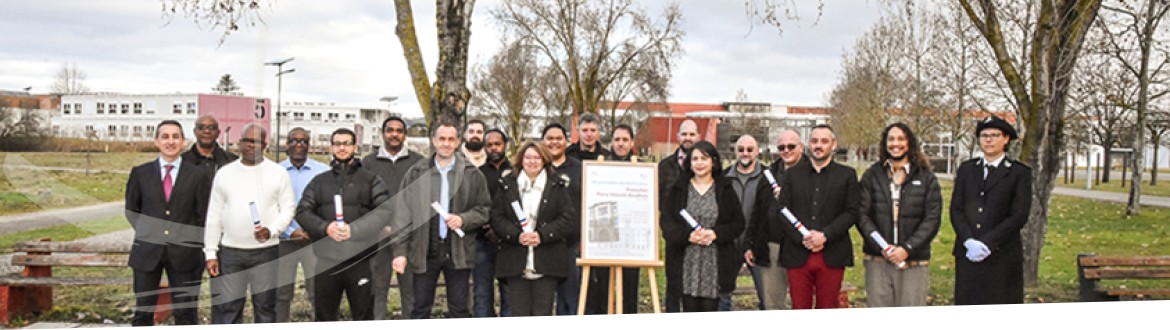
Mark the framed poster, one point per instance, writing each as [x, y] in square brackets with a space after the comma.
[619, 222]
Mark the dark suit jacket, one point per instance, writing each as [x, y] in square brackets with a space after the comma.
[727, 228]
[827, 202]
[556, 222]
[992, 211]
[162, 229]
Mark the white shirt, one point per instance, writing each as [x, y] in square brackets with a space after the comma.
[162, 168]
[384, 153]
[229, 216]
[530, 193]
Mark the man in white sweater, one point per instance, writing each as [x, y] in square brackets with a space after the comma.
[251, 203]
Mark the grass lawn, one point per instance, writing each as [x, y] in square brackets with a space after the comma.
[1075, 226]
[66, 232]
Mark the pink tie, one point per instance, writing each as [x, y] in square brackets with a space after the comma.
[167, 184]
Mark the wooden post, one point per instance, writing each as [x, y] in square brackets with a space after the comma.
[584, 290]
[617, 278]
[654, 290]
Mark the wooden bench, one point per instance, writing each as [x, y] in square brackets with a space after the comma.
[1091, 269]
[31, 291]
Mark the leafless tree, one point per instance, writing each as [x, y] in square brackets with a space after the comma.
[69, 80]
[507, 86]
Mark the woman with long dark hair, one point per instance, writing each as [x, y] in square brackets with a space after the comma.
[533, 217]
[707, 263]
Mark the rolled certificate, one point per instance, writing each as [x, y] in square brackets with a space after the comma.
[771, 180]
[339, 214]
[690, 220]
[522, 216]
[795, 223]
[443, 216]
[255, 216]
[886, 247]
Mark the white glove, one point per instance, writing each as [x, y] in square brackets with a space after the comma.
[976, 250]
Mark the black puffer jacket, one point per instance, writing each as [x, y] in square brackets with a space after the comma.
[920, 210]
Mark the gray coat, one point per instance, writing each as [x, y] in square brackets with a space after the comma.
[409, 212]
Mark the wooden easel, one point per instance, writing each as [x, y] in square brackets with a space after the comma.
[615, 294]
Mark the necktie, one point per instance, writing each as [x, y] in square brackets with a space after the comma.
[168, 182]
[987, 171]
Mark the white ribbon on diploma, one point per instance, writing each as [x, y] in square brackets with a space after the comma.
[886, 247]
[795, 223]
[443, 216]
[690, 220]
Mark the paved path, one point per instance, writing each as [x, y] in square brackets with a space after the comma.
[1147, 200]
[63, 169]
[23, 222]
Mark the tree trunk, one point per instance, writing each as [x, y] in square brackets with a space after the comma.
[1107, 157]
[414, 61]
[453, 18]
[1155, 141]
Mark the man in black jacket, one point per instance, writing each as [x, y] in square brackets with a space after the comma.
[342, 254]
[989, 207]
[588, 146]
[206, 152]
[765, 237]
[901, 202]
[390, 163]
[484, 273]
[823, 195]
[670, 170]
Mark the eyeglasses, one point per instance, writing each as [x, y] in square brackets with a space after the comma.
[298, 141]
[248, 141]
[784, 147]
[342, 143]
[206, 127]
[990, 135]
[742, 149]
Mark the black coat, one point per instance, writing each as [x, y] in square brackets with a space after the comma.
[833, 213]
[992, 211]
[174, 227]
[919, 211]
[556, 222]
[727, 228]
[361, 191]
[768, 224]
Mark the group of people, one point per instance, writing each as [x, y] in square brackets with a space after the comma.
[489, 223]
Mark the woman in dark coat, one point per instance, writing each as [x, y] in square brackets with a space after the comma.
[707, 263]
[530, 258]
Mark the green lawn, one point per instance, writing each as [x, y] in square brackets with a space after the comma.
[66, 232]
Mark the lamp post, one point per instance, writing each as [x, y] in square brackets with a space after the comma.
[279, 86]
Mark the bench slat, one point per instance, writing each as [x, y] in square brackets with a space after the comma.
[1135, 292]
[77, 247]
[1088, 261]
[58, 281]
[71, 260]
[1107, 273]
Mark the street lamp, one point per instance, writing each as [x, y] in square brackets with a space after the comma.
[279, 84]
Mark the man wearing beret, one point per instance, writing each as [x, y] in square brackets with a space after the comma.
[989, 207]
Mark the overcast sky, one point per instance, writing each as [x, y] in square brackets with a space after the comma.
[346, 51]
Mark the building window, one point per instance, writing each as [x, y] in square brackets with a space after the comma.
[124, 129]
[110, 130]
[88, 129]
[77, 108]
[150, 130]
[138, 108]
[191, 108]
[316, 116]
[298, 116]
[333, 117]
[67, 108]
[101, 108]
[178, 109]
[125, 108]
[350, 117]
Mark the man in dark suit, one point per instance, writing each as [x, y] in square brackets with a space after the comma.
[670, 170]
[166, 204]
[989, 207]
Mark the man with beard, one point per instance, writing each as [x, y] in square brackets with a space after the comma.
[166, 204]
[901, 202]
[301, 169]
[746, 178]
[251, 201]
[621, 150]
[765, 237]
[483, 275]
[670, 170]
[989, 207]
[824, 196]
[473, 142]
[206, 151]
[587, 147]
[553, 138]
[343, 251]
[390, 163]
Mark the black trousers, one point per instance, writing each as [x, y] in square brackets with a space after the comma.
[533, 297]
[184, 286]
[458, 288]
[598, 295]
[691, 304]
[351, 277]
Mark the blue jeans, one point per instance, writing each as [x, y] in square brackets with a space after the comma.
[570, 289]
[725, 299]
[483, 275]
[240, 269]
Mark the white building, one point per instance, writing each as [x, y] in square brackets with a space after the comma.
[320, 119]
[133, 117]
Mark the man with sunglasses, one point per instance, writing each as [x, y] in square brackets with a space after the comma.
[206, 152]
[301, 169]
[764, 240]
[746, 177]
[251, 201]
